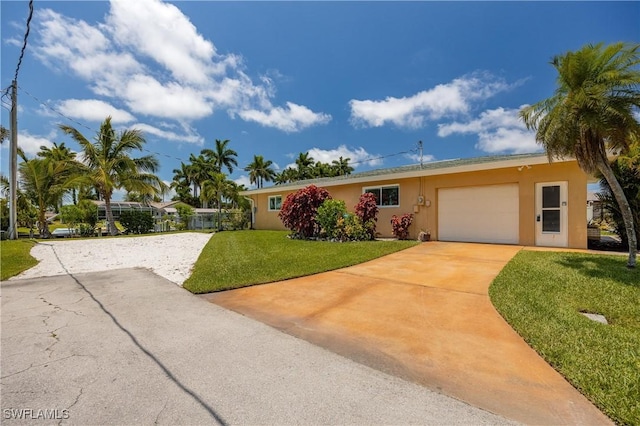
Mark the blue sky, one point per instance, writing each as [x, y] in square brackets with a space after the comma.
[364, 80]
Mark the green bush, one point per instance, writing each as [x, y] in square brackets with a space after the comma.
[185, 213]
[328, 214]
[136, 222]
[350, 228]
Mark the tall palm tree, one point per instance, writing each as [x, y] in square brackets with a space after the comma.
[221, 156]
[198, 171]
[110, 165]
[592, 113]
[342, 167]
[213, 189]
[62, 153]
[260, 171]
[44, 180]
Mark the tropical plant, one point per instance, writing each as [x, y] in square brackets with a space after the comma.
[44, 180]
[626, 168]
[592, 114]
[109, 165]
[63, 153]
[341, 166]
[400, 225]
[328, 214]
[367, 211]
[299, 209]
[304, 163]
[221, 157]
[260, 171]
[351, 228]
[185, 213]
[4, 134]
[136, 221]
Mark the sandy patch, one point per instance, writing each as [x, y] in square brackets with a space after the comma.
[171, 256]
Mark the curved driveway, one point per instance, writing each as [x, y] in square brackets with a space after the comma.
[424, 314]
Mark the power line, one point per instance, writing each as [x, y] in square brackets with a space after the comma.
[26, 36]
[78, 123]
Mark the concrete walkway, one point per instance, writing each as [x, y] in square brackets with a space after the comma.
[424, 314]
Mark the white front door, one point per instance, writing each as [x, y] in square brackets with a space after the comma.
[551, 214]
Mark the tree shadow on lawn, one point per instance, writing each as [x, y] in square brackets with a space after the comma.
[609, 267]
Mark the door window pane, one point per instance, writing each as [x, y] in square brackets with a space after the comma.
[551, 221]
[550, 196]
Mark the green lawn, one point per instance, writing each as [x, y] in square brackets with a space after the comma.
[15, 257]
[542, 295]
[234, 259]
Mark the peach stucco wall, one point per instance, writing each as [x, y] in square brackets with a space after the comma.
[426, 218]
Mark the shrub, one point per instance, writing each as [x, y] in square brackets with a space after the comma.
[185, 213]
[350, 228]
[136, 221]
[367, 211]
[299, 209]
[328, 214]
[400, 225]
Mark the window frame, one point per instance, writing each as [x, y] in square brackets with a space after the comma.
[381, 188]
[269, 203]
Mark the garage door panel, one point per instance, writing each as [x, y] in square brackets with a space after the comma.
[486, 214]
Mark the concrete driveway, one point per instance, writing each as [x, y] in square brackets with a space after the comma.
[424, 314]
[129, 347]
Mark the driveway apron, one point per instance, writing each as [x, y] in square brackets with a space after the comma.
[423, 314]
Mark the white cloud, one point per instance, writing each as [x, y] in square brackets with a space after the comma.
[149, 54]
[498, 130]
[190, 136]
[31, 144]
[416, 158]
[293, 118]
[357, 156]
[146, 95]
[244, 180]
[443, 100]
[93, 110]
[161, 32]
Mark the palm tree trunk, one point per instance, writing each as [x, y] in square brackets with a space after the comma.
[112, 223]
[627, 216]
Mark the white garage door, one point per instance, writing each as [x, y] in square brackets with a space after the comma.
[483, 214]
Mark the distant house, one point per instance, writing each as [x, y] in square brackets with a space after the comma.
[511, 199]
[595, 210]
[162, 211]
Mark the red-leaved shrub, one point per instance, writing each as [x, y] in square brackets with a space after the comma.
[299, 209]
[400, 225]
[367, 211]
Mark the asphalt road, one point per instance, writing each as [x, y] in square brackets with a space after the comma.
[129, 347]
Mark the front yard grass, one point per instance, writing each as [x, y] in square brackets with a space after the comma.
[234, 259]
[542, 294]
[15, 257]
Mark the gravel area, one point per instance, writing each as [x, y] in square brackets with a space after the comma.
[171, 256]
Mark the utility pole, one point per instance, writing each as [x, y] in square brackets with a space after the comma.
[13, 166]
[420, 147]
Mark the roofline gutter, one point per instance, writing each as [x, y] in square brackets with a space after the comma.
[500, 164]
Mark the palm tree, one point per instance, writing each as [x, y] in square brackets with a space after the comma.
[44, 180]
[342, 167]
[213, 189]
[198, 171]
[221, 157]
[110, 166]
[260, 171]
[304, 163]
[62, 153]
[4, 134]
[592, 113]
